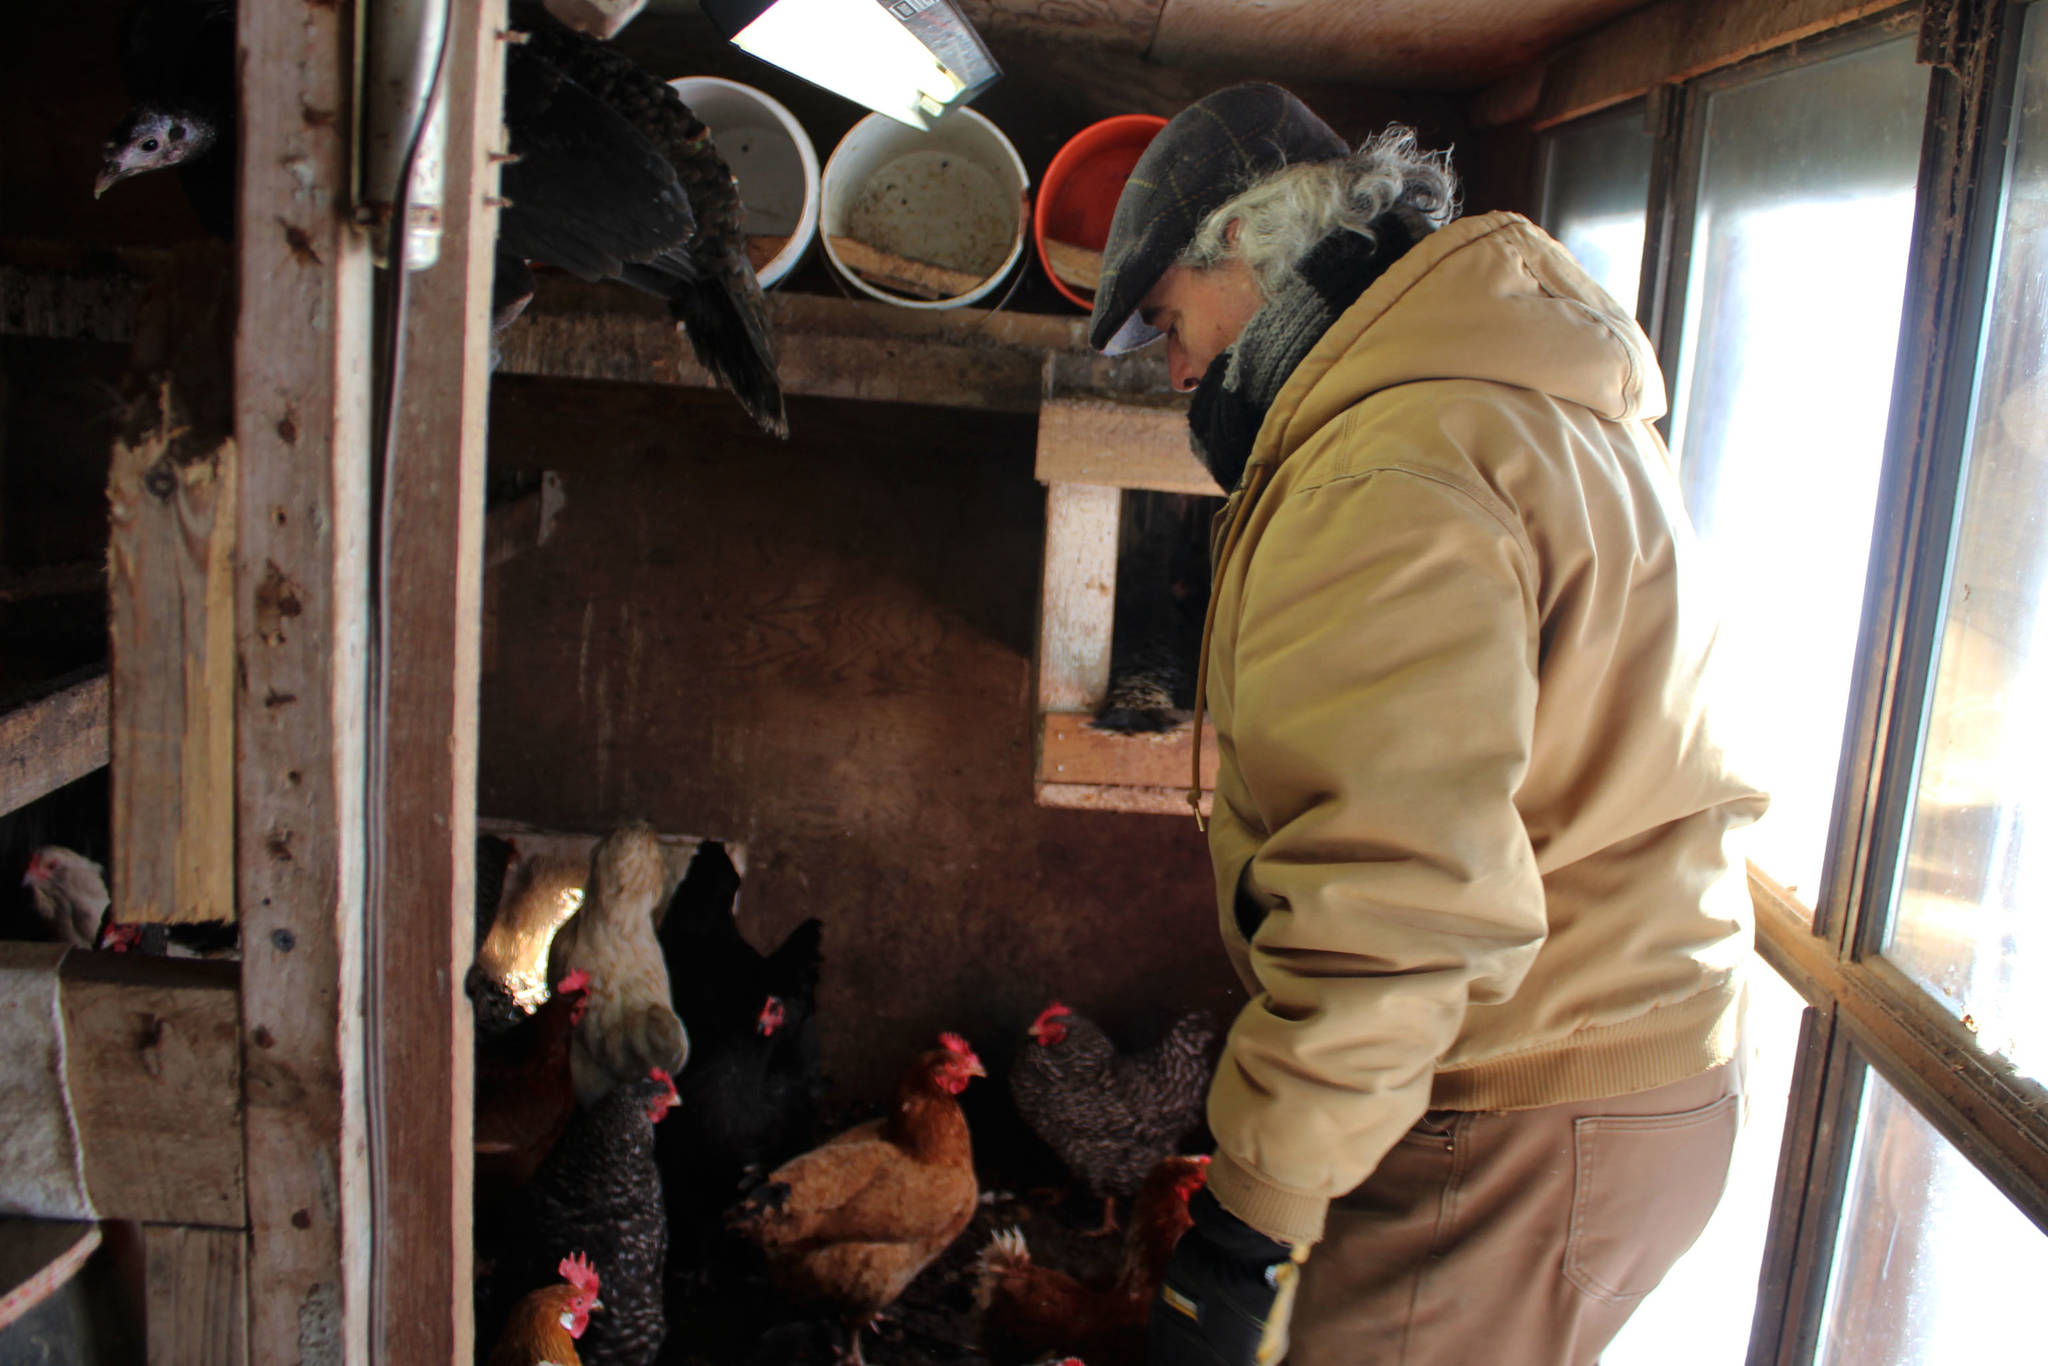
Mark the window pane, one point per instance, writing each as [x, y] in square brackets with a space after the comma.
[1932, 1264]
[1668, 1329]
[1973, 901]
[1596, 196]
[1792, 320]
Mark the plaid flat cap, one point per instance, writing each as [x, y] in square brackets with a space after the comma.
[1210, 151]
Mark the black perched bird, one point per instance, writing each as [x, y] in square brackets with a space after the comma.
[177, 59]
[750, 1093]
[711, 288]
[614, 179]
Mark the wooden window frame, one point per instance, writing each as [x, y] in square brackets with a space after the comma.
[1863, 1011]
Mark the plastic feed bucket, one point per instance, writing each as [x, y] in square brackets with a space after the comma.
[953, 196]
[1081, 187]
[770, 156]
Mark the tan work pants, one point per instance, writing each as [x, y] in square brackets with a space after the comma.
[1517, 1238]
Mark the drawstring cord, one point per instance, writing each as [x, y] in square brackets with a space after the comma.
[1255, 482]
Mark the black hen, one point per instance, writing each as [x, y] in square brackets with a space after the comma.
[750, 1093]
[1112, 1117]
[711, 289]
[178, 61]
[598, 1192]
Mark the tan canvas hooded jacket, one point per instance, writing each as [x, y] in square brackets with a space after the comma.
[1472, 830]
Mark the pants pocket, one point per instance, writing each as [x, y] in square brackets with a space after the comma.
[1643, 1188]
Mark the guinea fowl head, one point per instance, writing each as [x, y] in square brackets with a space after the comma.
[150, 139]
[1050, 1026]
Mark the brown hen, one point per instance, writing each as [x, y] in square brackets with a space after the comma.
[1034, 1310]
[852, 1222]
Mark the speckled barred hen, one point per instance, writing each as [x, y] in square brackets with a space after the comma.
[710, 288]
[599, 1193]
[1111, 1116]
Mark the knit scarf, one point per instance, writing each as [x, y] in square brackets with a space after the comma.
[1232, 400]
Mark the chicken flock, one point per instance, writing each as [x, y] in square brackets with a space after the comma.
[651, 1180]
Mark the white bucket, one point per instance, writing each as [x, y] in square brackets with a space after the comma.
[951, 197]
[770, 156]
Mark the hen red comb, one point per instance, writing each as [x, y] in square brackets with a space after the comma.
[578, 980]
[577, 1271]
[955, 1044]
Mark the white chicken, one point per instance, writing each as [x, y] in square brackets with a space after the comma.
[629, 1026]
[69, 891]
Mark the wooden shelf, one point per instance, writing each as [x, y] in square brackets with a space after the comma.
[1091, 449]
[829, 346]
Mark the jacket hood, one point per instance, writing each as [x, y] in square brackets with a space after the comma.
[1488, 298]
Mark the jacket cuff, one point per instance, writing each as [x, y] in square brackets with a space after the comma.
[1285, 1215]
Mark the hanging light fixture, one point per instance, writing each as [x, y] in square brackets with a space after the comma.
[913, 60]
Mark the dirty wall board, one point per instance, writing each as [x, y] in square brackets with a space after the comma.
[821, 647]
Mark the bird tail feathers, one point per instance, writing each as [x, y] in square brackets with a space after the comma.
[725, 317]
[1005, 1254]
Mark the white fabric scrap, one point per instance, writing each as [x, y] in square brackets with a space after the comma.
[42, 1164]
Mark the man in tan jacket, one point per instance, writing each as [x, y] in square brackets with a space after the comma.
[1474, 835]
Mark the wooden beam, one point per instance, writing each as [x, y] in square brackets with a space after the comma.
[153, 1068]
[52, 581]
[302, 433]
[171, 498]
[420, 1043]
[52, 741]
[1070, 750]
[1119, 445]
[829, 348]
[1077, 595]
[195, 1306]
[1671, 40]
[1141, 801]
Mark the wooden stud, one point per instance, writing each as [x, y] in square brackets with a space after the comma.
[302, 433]
[422, 1050]
[195, 1296]
[171, 496]
[1119, 445]
[1077, 595]
[53, 741]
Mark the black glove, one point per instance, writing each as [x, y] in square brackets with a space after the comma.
[1226, 1294]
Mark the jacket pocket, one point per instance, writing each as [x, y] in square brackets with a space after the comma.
[1643, 1188]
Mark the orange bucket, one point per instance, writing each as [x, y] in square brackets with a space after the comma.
[1077, 196]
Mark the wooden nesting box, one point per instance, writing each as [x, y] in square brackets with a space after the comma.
[1090, 450]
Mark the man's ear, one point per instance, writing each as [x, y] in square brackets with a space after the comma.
[1230, 231]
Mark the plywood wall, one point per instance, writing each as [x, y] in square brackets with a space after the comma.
[821, 648]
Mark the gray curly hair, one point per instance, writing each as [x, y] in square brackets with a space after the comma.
[1285, 214]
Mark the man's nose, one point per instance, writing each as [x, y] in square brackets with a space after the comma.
[1180, 369]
